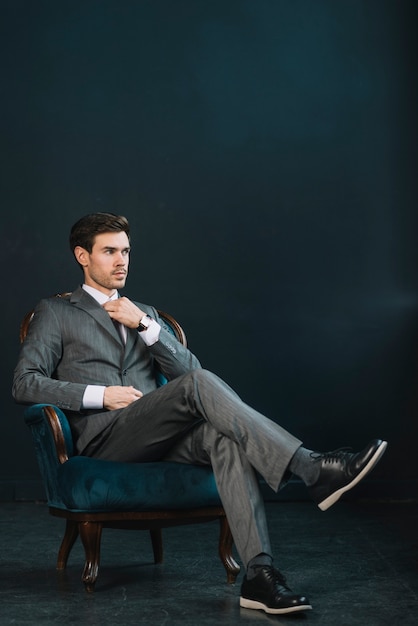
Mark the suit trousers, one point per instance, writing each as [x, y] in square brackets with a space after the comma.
[197, 418]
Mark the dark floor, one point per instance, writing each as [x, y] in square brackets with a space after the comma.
[358, 564]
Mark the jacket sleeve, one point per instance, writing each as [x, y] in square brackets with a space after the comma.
[172, 358]
[39, 356]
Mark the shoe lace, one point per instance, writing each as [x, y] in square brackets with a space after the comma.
[330, 457]
[277, 577]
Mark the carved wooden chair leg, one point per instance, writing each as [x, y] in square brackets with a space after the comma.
[90, 533]
[157, 544]
[70, 536]
[225, 551]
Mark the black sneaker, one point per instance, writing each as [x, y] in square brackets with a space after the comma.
[342, 470]
[269, 592]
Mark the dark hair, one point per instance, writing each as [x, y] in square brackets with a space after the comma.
[83, 232]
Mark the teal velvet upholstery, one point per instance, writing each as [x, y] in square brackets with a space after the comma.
[95, 485]
[90, 485]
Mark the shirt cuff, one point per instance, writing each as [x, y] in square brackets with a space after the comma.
[93, 397]
[152, 334]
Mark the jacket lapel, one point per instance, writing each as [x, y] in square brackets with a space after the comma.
[82, 300]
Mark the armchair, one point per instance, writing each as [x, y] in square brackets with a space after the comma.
[92, 494]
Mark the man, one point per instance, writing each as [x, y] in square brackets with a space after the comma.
[95, 355]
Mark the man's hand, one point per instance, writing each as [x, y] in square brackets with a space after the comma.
[124, 311]
[117, 397]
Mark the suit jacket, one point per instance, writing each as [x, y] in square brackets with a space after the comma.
[72, 342]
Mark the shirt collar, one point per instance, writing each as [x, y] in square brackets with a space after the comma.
[99, 296]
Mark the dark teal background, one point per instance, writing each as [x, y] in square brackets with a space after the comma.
[265, 154]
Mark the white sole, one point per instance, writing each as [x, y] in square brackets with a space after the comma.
[253, 604]
[332, 499]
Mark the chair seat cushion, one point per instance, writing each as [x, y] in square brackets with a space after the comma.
[94, 485]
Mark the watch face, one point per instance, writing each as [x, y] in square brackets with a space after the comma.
[144, 323]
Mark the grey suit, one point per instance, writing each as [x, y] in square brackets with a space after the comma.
[194, 418]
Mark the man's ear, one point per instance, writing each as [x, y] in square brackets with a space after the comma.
[81, 255]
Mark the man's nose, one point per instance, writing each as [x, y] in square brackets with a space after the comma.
[120, 259]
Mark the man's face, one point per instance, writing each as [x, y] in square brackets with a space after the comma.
[106, 267]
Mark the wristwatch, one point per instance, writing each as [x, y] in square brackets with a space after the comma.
[144, 323]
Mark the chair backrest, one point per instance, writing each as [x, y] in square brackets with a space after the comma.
[50, 428]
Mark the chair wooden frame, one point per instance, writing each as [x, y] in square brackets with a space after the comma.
[89, 526]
